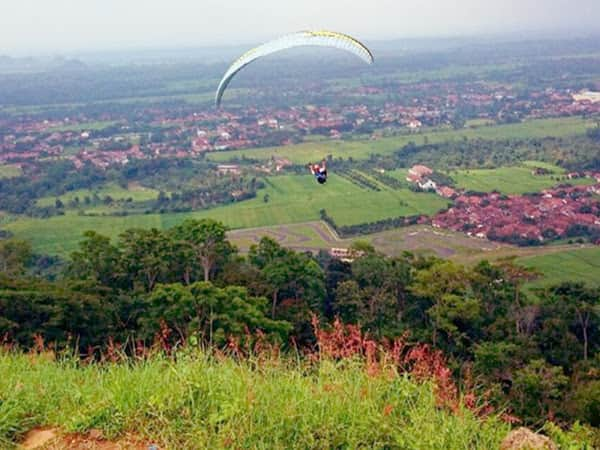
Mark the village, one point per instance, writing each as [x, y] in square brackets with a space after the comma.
[562, 212]
[190, 133]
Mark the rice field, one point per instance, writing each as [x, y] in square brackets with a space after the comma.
[362, 149]
[285, 200]
[513, 180]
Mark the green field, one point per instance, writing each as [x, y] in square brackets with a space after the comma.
[362, 149]
[570, 265]
[292, 199]
[512, 180]
[10, 171]
[476, 123]
[86, 126]
[136, 192]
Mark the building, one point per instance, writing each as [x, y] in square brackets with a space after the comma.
[420, 171]
[229, 168]
[345, 254]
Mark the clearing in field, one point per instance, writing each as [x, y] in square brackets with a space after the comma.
[513, 180]
[362, 149]
[285, 200]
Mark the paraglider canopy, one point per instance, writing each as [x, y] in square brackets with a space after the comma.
[320, 38]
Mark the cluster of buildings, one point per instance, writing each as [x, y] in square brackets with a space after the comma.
[519, 218]
[185, 132]
[420, 175]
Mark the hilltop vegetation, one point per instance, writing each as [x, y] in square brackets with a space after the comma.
[532, 354]
[203, 402]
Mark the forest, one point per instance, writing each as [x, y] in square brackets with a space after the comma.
[534, 354]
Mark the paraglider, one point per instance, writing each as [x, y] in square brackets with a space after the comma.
[319, 171]
[301, 38]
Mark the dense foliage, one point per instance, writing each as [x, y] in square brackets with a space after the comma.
[537, 354]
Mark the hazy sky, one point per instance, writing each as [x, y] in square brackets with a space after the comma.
[67, 25]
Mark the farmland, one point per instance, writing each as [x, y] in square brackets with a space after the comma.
[556, 263]
[136, 192]
[289, 199]
[512, 180]
[87, 126]
[581, 265]
[362, 149]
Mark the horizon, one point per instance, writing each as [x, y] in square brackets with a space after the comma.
[67, 27]
[152, 49]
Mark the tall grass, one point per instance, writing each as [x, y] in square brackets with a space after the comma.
[198, 400]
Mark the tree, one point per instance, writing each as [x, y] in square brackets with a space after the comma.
[14, 257]
[212, 313]
[96, 259]
[208, 240]
[516, 275]
[349, 304]
[145, 255]
[579, 305]
[586, 401]
[453, 306]
[361, 247]
[289, 274]
[537, 390]
[265, 252]
[64, 314]
[295, 276]
[383, 287]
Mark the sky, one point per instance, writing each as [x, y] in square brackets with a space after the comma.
[83, 25]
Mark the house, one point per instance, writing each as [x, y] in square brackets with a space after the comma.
[414, 125]
[281, 163]
[420, 171]
[446, 192]
[427, 185]
[345, 254]
[229, 168]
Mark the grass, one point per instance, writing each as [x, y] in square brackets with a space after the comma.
[362, 149]
[85, 126]
[475, 123]
[10, 171]
[512, 180]
[292, 199]
[134, 191]
[201, 402]
[570, 265]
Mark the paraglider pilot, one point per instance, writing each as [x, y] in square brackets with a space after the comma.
[319, 171]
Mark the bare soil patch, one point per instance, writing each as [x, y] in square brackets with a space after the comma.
[54, 439]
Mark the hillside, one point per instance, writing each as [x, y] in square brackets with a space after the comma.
[199, 402]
